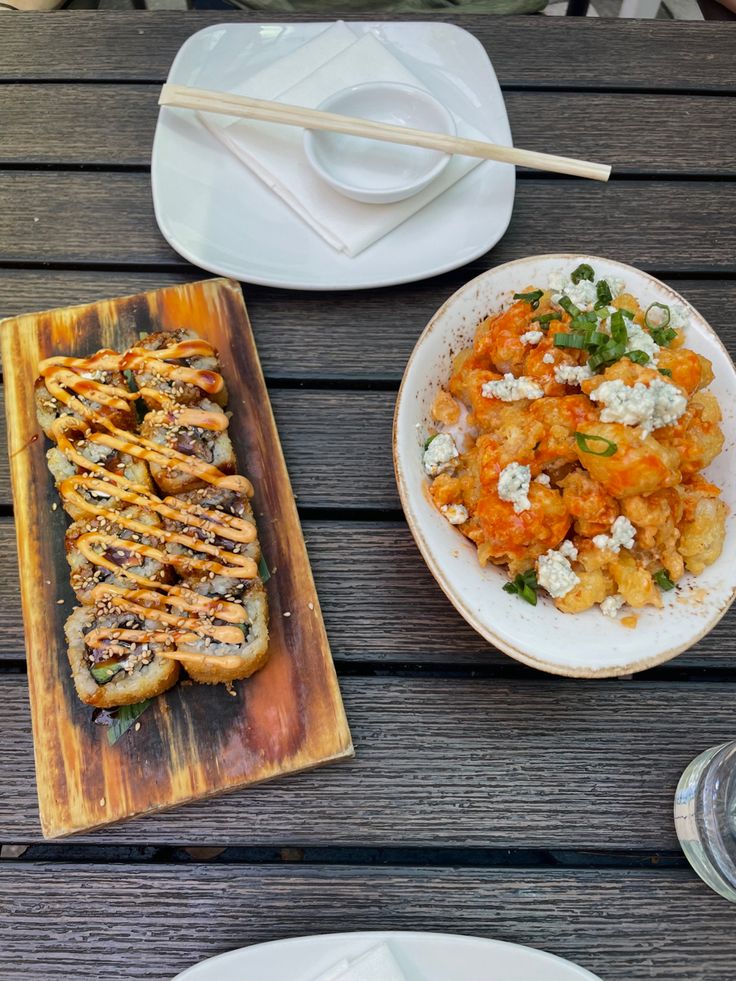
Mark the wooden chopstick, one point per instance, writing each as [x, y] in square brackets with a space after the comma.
[223, 103]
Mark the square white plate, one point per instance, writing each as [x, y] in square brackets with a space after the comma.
[213, 211]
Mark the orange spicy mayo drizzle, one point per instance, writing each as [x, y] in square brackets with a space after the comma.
[65, 381]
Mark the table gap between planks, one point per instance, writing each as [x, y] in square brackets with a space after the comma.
[495, 800]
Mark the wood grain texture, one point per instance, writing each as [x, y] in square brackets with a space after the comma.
[408, 621]
[666, 229]
[478, 762]
[600, 919]
[140, 46]
[113, 125]
[321, 329]
[288, 717]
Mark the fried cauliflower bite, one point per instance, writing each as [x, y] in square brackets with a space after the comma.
[655, 518]
[689, 370]
[633, 581]
[703, 527]
[512, 440]
[592, 588]
[696, 436]
[498, 339]
[445, 409]
[519, 539]
[624, 370]
[639, 466]
[560, 418]
[543, 372]
[593, 509]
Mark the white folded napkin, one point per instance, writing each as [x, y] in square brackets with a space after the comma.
[333, 60]
[377, 964]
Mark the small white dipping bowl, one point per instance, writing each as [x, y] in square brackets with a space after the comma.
[374, 171]
[588, 644]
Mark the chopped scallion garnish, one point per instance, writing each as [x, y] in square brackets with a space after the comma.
[584, 271]
[638, 357]
[604, 293]
[618, 328]
[663, 580]
[568, 306]
[429, 440]
[609, 448]
[263, 571]
[606, 355]
[577, 341]
[531, 298]
[665, 371]
[524, 586]
[628, 314]
[663, 335]
[543, 319]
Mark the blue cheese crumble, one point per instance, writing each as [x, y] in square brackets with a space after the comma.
[650, 406]
[623, 535]
[513, 486]
[642, 340]
[568, 374]
[554, 572]
[511, 389]
[532, 337]
[611, 605]
[440, 455]
[456, 514]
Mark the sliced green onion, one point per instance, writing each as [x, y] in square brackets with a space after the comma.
[665, 371]
[582, 439]
[428, 441]
[584, 271]
[568, 306]
[638, 357]
[586, 321]
[618, 328]
[604, 293]
[524, 586]
[663, 580]
[577, 341]
[663, 335]
[597, 339]
[627, 313]
[606, 355]
[543, 319]
[124, 718]
[661, 306]
[532, 298]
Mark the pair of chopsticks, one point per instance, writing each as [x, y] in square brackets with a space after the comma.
[223, 103]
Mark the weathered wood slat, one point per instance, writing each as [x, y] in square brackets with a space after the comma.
[408, 621]
[166, 919]
[332, 466]
[606, 53]
[323, 330]
[47, 217]
[484, 762]
[103, 124]
[327, 331]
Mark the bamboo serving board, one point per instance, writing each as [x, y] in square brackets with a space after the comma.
[195, 740]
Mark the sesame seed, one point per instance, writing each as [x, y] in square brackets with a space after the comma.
[287, 614]
[137, 727]
[310, 605]
[59, 602]
[102, 801]
[54, 506]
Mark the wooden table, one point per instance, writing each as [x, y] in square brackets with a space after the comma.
[485, 798]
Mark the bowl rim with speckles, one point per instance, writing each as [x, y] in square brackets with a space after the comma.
[584, 645]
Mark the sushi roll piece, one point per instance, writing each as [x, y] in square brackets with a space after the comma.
[198, 431]
[118, 563]
[225, 662]
[62, 468]
[157, 374]
[209, 501]
[113, 656]
[81, 382]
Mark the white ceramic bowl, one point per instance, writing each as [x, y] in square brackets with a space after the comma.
[580, 645]
[373, 171]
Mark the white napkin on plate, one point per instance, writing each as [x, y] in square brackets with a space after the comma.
[333, 60]
[377, 964]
